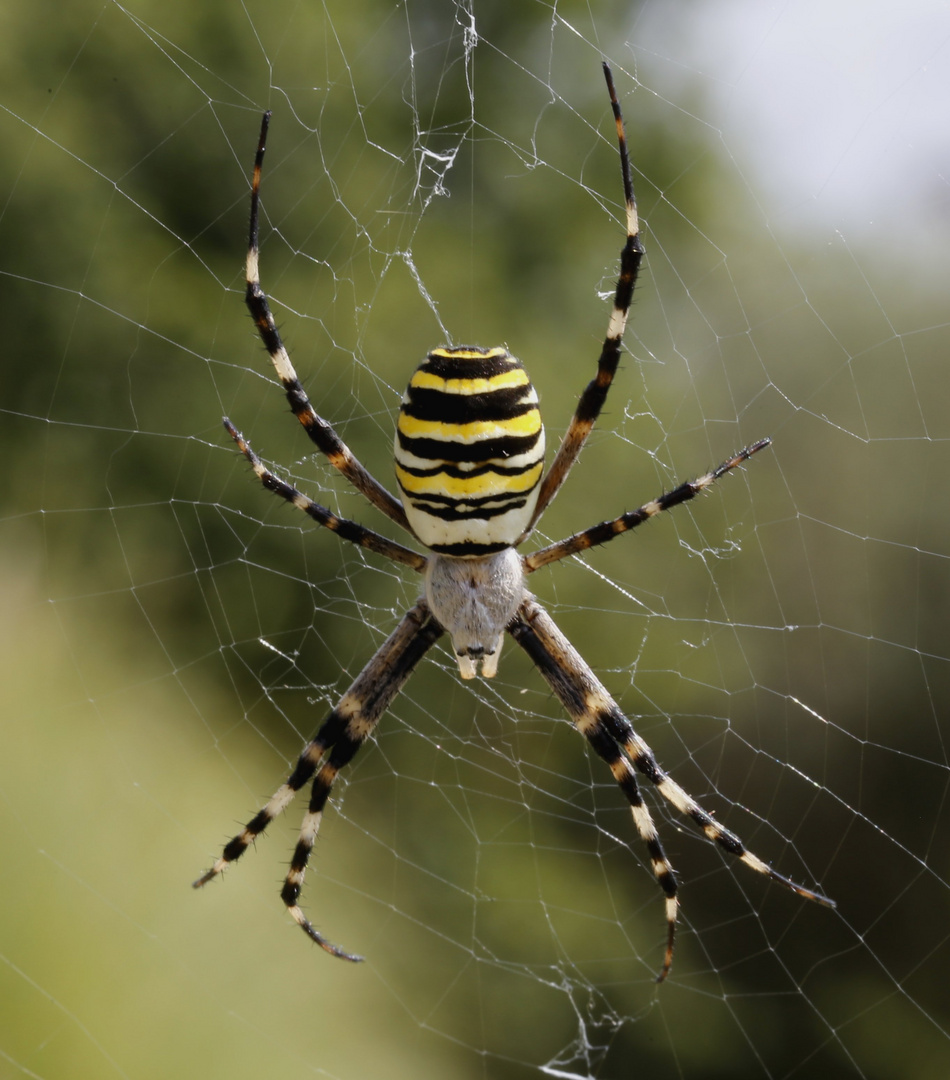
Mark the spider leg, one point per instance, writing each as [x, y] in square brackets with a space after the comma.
[607, 530]
[592, 399]
[597, 716]
[343, 527]
[643, 758]
[321, 433]
[344, 731]
[587, 703]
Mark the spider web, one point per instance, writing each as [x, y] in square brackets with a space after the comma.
[172, 634]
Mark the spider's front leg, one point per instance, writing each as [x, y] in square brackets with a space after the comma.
[592, 400]
[344, 731]
[320, 432]
[345, 529]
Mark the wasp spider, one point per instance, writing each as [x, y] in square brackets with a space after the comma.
[469, 456]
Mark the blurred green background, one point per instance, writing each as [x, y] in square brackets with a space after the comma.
[172, 635]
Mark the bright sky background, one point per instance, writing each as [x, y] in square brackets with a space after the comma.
[845, 103]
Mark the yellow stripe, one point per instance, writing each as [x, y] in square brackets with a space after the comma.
[470, 487]
[470, 354]
[477, 431]
[425, 380]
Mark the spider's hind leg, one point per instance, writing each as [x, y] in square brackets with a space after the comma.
[599, 719]
[588, 704]
[642, 757]
[345, 730]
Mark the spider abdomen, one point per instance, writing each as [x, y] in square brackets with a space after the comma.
[469, 450]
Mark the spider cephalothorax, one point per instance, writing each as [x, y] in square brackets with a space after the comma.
[470, 464]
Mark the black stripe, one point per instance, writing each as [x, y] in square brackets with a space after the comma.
[605, 746]
[667, 880]
[618, 725]
[629, 786]
[236, 847]
[451, 512]
[465, 367]
[437, 450]
[503, 404]
[647, 764]
[468, 549]
[728, 841]
[290, 893]
[466, 474]
[509, 499]
[592, 400]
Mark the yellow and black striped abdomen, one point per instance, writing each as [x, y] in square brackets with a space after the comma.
[469, 450]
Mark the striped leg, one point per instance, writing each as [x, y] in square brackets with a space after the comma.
[343, 527]
[592, 400]
[588, 704]
[321, 433]
[607, 530]
[642, 757]
[599, 719]
[343, 732]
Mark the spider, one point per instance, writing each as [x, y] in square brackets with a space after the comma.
[469, 459]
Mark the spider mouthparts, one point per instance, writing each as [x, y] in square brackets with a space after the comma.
[468, 668]
[468, 664]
